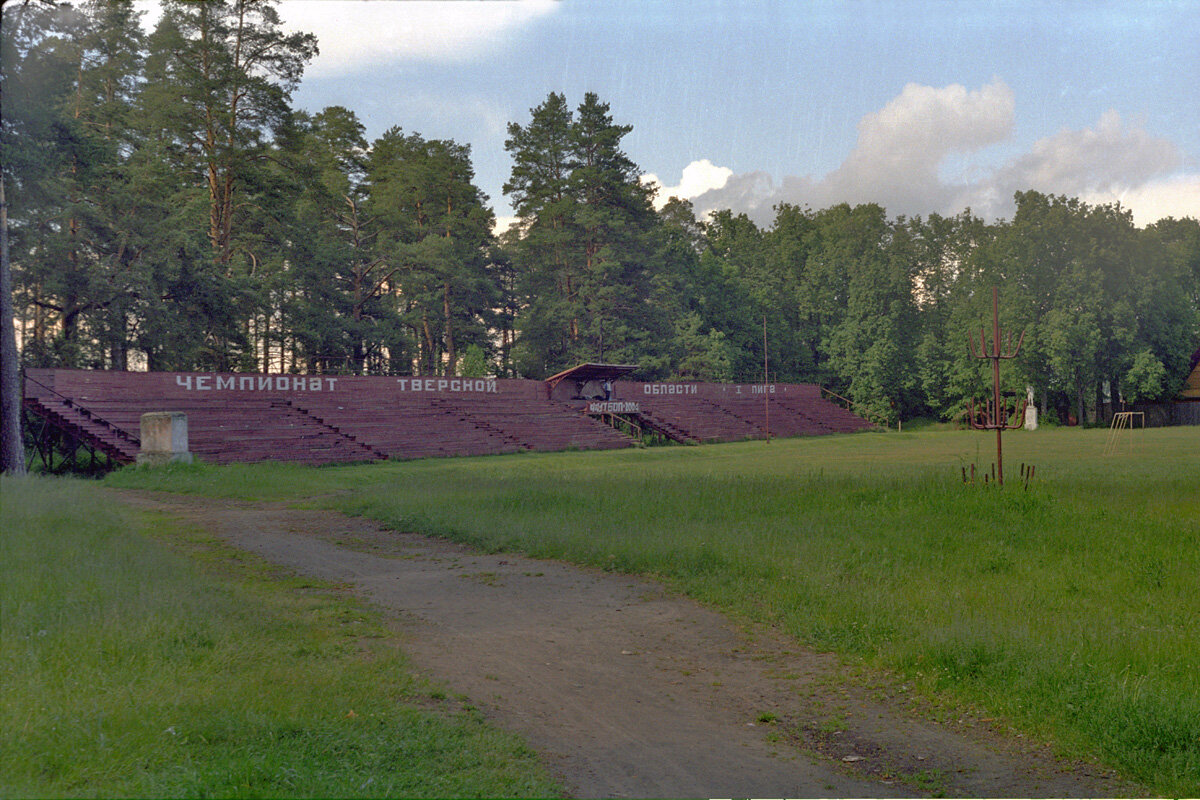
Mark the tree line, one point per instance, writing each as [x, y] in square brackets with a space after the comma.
[171, 210]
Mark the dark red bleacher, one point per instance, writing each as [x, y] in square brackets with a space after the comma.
[817, 416]
[698, 418]
[334, 419]
[787, 415]
[721, 412]
[222, 431]
[544, 425]
[406, 427]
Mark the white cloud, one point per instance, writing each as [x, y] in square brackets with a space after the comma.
[1177, 196]
[751, 192]
[502, 224]
[358, 33]
[698, 177]
[1100, 164]
[923, 121]
[900, 148]
[895, 161]
[353, 33]
[1105, 155]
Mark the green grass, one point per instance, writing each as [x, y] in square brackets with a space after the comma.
[139, 658]
[1070, 608]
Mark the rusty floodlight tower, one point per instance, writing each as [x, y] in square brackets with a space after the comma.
[996, 414]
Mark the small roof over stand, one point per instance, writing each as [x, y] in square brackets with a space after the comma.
[587, 380]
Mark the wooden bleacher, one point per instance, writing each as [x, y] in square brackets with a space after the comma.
[339, 419]
[700, 419]
[706, 412]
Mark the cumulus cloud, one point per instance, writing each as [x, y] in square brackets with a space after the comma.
[698, 177]
[1177, 196]
[901, 148]
[1079, 160]
[1107, 160]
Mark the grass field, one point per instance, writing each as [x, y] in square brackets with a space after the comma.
[1069, 608]
[142, 659]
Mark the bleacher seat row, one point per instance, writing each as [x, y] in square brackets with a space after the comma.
[329, 419]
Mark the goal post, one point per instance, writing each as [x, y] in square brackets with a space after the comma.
[1120, 431]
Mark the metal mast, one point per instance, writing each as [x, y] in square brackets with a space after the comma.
[995, 416]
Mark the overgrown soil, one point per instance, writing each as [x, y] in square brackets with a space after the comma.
[627, 690]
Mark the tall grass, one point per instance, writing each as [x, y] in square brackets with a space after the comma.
[1070, 607]
[134, 669]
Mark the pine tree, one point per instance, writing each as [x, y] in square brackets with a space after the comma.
[219, 76]
[585, 246]
[548, 274]
[332, 245]
[436, 238]
[98, 276]
[38, 59]
[615, 223]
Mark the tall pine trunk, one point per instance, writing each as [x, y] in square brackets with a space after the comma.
[12, 448]
[451, 355]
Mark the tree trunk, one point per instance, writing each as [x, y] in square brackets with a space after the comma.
[428, 357]
[12, 448]
[360, 357]
[120, 352]
[451, 355]
[1081, 393]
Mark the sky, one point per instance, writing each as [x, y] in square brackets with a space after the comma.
[923, 106]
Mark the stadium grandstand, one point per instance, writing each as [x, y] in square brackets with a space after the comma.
[323, 419]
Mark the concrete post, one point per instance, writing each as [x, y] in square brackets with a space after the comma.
[164, 438]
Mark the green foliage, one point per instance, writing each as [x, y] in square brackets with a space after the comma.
[872, 346]
[474, 363]
[582, 261]
[1147, 377]
[702, 357]
[174, 667]
[436, 235]
[334, 304]
[170, 208]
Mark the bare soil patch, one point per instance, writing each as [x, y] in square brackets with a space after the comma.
[628, 690]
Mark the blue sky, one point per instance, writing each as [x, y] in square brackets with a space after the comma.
[922, 106]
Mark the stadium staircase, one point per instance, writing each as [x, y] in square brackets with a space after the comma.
[80, 422]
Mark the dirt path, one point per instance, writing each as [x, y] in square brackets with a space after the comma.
[628, 691]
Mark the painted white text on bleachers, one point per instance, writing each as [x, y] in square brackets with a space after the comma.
[669, 388]
[259, 383]
[444, 384]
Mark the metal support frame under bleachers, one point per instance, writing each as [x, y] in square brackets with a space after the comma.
[58, 447]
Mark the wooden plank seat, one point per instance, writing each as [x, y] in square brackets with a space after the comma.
[824, 414]
[410, 428]
[800, 405]
[700, 418]
[240, 429]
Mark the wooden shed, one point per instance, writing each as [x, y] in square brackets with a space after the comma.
[1191, 387]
